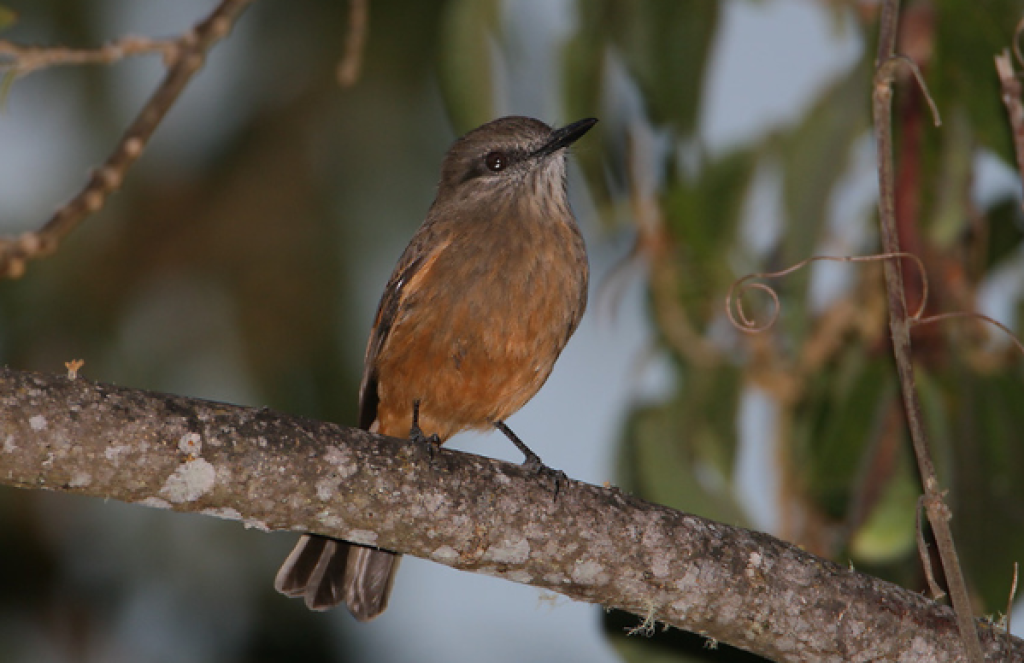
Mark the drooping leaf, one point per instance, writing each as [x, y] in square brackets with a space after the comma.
[466, 67]
[8, 17]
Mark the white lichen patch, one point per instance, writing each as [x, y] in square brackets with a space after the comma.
[225, 512]
[253, 523]
[754, 562]
[445, 555]
[113, 453]
[9, 445]
[681, 608]
[37, 422]
[589, 572]
[330, 520]
[653, 537]
[325, 488]
[191, 445]
[433, 502]
[342, 460]
[660, 566]
[519, 575]
[80, 479]
[190, 481]
[689, 579]
[363, 536]
[155, 503]
[514, 551]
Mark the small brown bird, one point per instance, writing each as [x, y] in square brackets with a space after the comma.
[471, 322]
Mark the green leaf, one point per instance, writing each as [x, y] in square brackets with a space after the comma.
[670, 448]
[6, 83]
[8, 17]
[961, 71]
[703, 216]
[666, 44]
[814, 156]
[987, 494]
[889, 532]
[466, 70]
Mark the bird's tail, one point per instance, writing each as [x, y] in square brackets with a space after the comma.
[326, 572]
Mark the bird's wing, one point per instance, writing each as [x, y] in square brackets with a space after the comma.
[415, 263]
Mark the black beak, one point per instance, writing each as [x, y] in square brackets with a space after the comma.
[566, 136]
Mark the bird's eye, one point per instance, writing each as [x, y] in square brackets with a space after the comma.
[496, 161]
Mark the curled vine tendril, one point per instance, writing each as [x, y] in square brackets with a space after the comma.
[740, 320]
[744, 323]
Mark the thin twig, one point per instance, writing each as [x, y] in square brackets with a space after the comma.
[23, 60]
[184, 60]
[1011, 99]
[351, 64]
[1009, 600]
[926, 557]
[917, 322]
[899, 326]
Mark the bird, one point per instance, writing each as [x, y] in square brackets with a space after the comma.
[481, 303]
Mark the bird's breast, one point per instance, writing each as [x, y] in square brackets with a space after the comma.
[482, 330]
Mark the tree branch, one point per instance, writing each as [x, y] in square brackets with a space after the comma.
[184, 55]
[274, 471]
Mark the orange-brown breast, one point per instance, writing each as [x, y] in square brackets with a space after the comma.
[480, 325]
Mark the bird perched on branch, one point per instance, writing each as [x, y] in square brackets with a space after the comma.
[480, 305]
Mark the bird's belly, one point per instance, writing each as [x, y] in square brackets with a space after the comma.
[476, 355]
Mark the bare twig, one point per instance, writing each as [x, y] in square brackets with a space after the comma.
[939, 317]
[926, 557]
[185, 57]
[23, 60]
[899, 326]
[1012, 100]
[274, 471]
[1010, 598]
[351, 64]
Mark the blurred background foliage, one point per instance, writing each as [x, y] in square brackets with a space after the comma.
[231, 264]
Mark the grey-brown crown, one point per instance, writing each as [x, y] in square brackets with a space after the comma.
[506, 149]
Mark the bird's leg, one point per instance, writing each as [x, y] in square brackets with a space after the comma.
[416, 433]
[532, 461]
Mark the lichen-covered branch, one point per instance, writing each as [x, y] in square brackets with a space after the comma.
[274, 471]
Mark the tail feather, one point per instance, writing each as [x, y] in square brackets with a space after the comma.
[369, 576]
[296, 571]
[326, 572]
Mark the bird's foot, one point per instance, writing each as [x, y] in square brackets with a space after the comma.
[532, 461]
[428, 443]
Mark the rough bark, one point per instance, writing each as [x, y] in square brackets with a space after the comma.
[273, 471]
